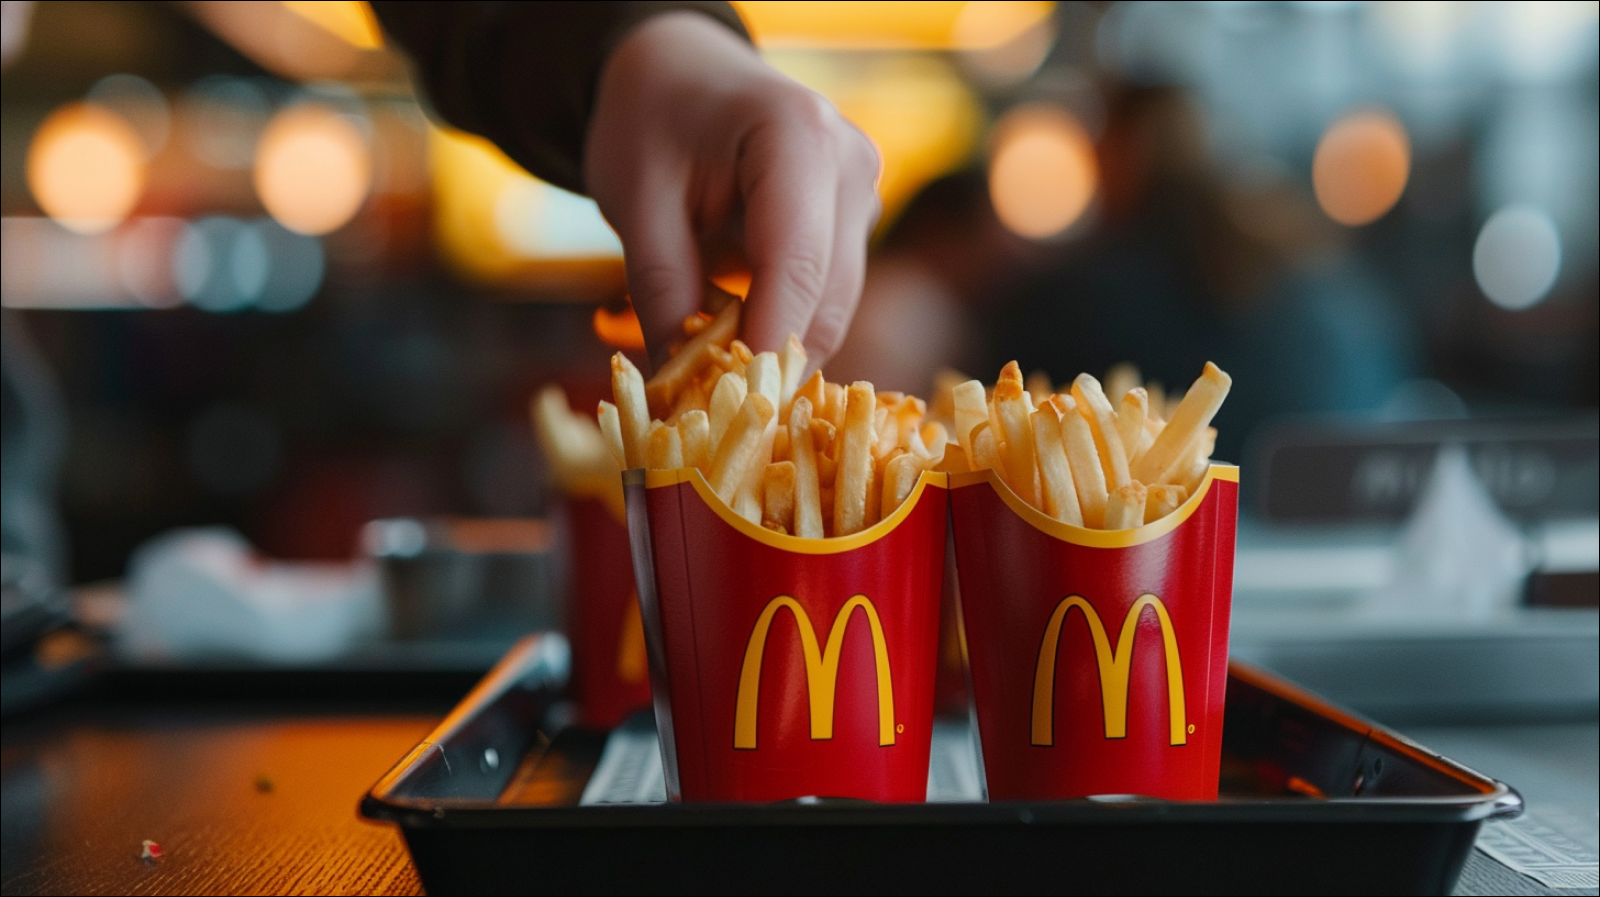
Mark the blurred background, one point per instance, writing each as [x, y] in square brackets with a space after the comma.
[270, 294]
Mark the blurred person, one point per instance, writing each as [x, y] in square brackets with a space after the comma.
[929, 283]
[1188, 266]
[702, 157]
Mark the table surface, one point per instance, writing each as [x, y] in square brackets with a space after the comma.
[261, 798]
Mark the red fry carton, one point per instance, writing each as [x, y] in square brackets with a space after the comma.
[610, 675]
[1098, 658]
[784, 667]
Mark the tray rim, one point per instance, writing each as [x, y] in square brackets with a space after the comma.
[529, 657]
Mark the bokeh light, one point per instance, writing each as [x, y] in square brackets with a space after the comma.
[313, 169]
[1517, 257]
[86, 167]
[141, 103]
[1042, 170]
[891, 24]
[619, 329]
[1361, 166]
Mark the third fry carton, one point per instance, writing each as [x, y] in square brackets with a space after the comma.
[785, 667]
[1098, 657]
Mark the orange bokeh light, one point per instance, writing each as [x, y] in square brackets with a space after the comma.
[619, 330]
[1042, 170]
[1361, 166]
[313, 169]
[86, 167]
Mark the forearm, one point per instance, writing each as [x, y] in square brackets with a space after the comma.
[522, 74]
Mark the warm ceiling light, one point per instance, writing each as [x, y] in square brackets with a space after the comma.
[1042, 170]
[313, 169]
[1361, 167]
[925, 25]
[86, 167]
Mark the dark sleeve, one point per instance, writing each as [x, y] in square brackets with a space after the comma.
[522, 74]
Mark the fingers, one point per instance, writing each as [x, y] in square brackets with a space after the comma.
[663, 263]
[791, 227]
[790, 218]
[857, 215]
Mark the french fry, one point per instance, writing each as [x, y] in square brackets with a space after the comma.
[747, 504]
[943, 403]
[986, 451]
[678, 370]
[694, 428]
[763, 375]
[855, 461]
[1121, 378]
[825, 439]
[739, 450]
[1160, 402]
[954, 460]
[632, 409]
[1084, 459]
[1011, 408]
[833, 404]
[1125, 506]
[611, 429]
[1094, 406]
[807, 495]
[873, 512]
[663, 447]
[1163, 500]
[726, 400]
[792, 361]
[573, 445]
[778, 496]
[971, 405]
[899, 478]
[1168, 452]
[1130, 420]
[814, 392]
[934, 438]
[1055, 473]
[1039, 387]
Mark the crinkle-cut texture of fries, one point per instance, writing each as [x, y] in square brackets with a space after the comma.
[1107, 457]
[797, 455]
[578, 448]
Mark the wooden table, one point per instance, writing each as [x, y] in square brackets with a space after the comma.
[252, 795]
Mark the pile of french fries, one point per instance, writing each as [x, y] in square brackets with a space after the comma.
[816, 459]
[812, 459]
[1082, 460]
[574, 449]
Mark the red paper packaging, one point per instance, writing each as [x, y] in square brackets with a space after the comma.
[784, 667]
[1098, 658]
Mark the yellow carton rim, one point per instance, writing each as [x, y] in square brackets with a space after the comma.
[655, 479]
[1097, 538]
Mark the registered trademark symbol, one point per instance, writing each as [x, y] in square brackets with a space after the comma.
[900, 727]
[1191, 728]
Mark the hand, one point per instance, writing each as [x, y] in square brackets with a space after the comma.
[701, 155]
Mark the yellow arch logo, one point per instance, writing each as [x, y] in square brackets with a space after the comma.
[1114, 666]
[822, 671]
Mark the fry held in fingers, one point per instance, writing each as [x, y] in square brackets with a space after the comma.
[794, 454]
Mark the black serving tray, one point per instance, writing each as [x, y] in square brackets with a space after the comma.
[1314, 800]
